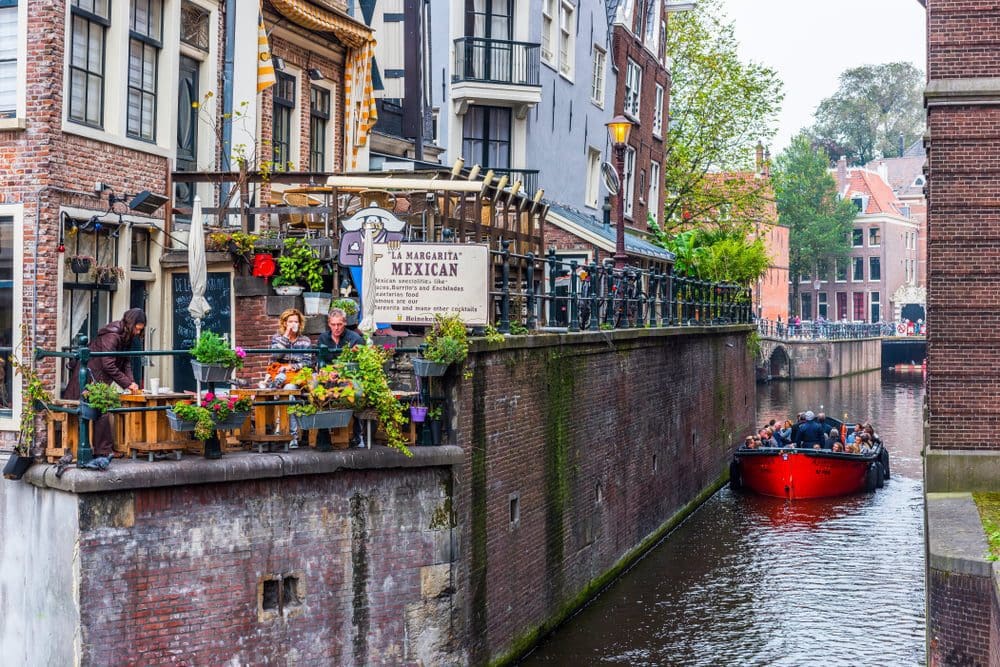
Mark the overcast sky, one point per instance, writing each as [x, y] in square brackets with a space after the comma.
[810, 42]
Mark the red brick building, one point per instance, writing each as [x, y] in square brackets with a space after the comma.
[102, 100]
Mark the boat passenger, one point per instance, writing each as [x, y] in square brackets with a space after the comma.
[785, 433]
[821, 420]
[834, 438]
[837, 447]
[749, 443]
[809, 434]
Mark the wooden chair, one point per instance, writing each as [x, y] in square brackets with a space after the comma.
[307, 223]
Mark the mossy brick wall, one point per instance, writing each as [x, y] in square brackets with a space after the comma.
[959, 629]
[172, 574]
[601, 439]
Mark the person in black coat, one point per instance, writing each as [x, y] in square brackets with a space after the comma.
[810, 433]
[113, 337]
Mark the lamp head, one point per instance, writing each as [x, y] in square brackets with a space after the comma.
[618, 129]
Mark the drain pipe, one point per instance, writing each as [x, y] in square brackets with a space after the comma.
[227, 84]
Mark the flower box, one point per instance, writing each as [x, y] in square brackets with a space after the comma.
[425, 368]
[210, 372]
[89, 412]
[326, 419]
[232, 422]
[179, 424]
[16, 466]
[418, 413]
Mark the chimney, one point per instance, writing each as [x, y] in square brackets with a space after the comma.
[841, 173]
[902, 146]
[883, 171]
[760, 158]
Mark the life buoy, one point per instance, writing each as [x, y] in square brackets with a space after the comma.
[735, 483]
[901, 329]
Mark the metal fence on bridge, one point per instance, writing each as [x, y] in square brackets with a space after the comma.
[823, 330]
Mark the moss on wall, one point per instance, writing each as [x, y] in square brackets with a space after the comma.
[560, 382]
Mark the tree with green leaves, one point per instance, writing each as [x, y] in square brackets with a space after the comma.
[720, 109]
[819, 222]
[874, 106]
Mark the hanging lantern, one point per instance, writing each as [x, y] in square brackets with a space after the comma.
[263, 265]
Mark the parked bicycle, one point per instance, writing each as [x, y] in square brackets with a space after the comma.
[620, 300]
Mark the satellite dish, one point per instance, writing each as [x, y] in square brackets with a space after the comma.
[610, 176]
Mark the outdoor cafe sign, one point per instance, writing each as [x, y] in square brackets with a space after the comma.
[416, 281]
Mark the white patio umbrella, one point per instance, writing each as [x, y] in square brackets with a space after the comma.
[367, 323]
[198, 272]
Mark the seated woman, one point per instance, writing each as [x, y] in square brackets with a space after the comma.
[285, 361]
[834, 438]
[784, 434]
[837, 447]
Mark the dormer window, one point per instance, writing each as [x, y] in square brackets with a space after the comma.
[919, 181]
[860, 203]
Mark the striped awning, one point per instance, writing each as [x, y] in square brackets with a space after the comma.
[350, 32]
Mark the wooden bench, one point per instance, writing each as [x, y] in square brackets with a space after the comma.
[255, 430]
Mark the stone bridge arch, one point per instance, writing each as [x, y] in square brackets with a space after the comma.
[775, 360]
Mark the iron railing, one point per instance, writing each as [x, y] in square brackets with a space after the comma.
[527, 177]
[529, 292]
[821, 330]
[496, 61]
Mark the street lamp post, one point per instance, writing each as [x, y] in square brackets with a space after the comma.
[619, 129]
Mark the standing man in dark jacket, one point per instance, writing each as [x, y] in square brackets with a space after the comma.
[810, 433]
[114, 337]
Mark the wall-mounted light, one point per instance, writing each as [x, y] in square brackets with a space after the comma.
[147, 202]
[278, 62]
[315, 74]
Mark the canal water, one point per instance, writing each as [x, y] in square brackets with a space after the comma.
[748, 580]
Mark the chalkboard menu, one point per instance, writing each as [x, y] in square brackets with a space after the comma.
[220, 320]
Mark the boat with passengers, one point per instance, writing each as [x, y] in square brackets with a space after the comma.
[800, 472]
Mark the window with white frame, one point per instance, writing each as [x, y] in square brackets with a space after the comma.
[653, 198]
[857, 237]
[90, 22]
[858, 274]
[145, 42]
[633, 85]
[822, 306]
[284, 109]
[319, 121]
[874, 268]
[628, 187]
[548, 29]
[658, 111]
[597, 76]
[874, 236]
[10, 288]
[8, 58]
[875, 304]
[840, 269]
[567, 32]
[593, 177]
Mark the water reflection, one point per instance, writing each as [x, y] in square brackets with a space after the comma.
[750, 580]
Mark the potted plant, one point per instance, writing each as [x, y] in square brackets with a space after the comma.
[98, 399]
[215, 413]
[36, 400]
[107, 274]
[418, 413]
[371, 360]
[350, 308]
[212, 360]
[434, 415]
[79, 263]
[445, 344]
[300, 265]
[330, 398]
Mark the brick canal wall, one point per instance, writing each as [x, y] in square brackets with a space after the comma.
[576, 456]
[962, 441]
[575, 453]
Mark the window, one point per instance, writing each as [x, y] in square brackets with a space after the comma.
[874, 268]
[597, 77]
[654, 191]
[874, 236]
[284, 108]
[841, 305]
[859, 306]
[628, 187]
[807, 306]
[857, 237]
[821, 305]
[140, 249]
[904, 211]
[841, 270]
[876, 307]
[548, 27]
[593, 176]
[633, 84]
[145, 41]
[8, 59]
[860, 203]
[858, 274]
[566, 38]
[658, 111]
[823, 271]
[7, 316]
[90, 21]
[319, 118]
[486, 137]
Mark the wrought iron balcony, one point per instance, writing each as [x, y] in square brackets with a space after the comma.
[496, 61]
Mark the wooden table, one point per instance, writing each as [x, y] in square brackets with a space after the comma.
[275, 416]
[149, 432]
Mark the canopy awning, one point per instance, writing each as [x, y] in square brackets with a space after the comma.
[349, 31]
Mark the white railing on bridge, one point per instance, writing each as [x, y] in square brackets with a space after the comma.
[823, 330]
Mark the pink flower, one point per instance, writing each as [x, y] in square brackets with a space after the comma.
[240, 352]
[209, 397]
[387, 346]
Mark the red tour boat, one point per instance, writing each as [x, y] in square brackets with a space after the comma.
[789, 472]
